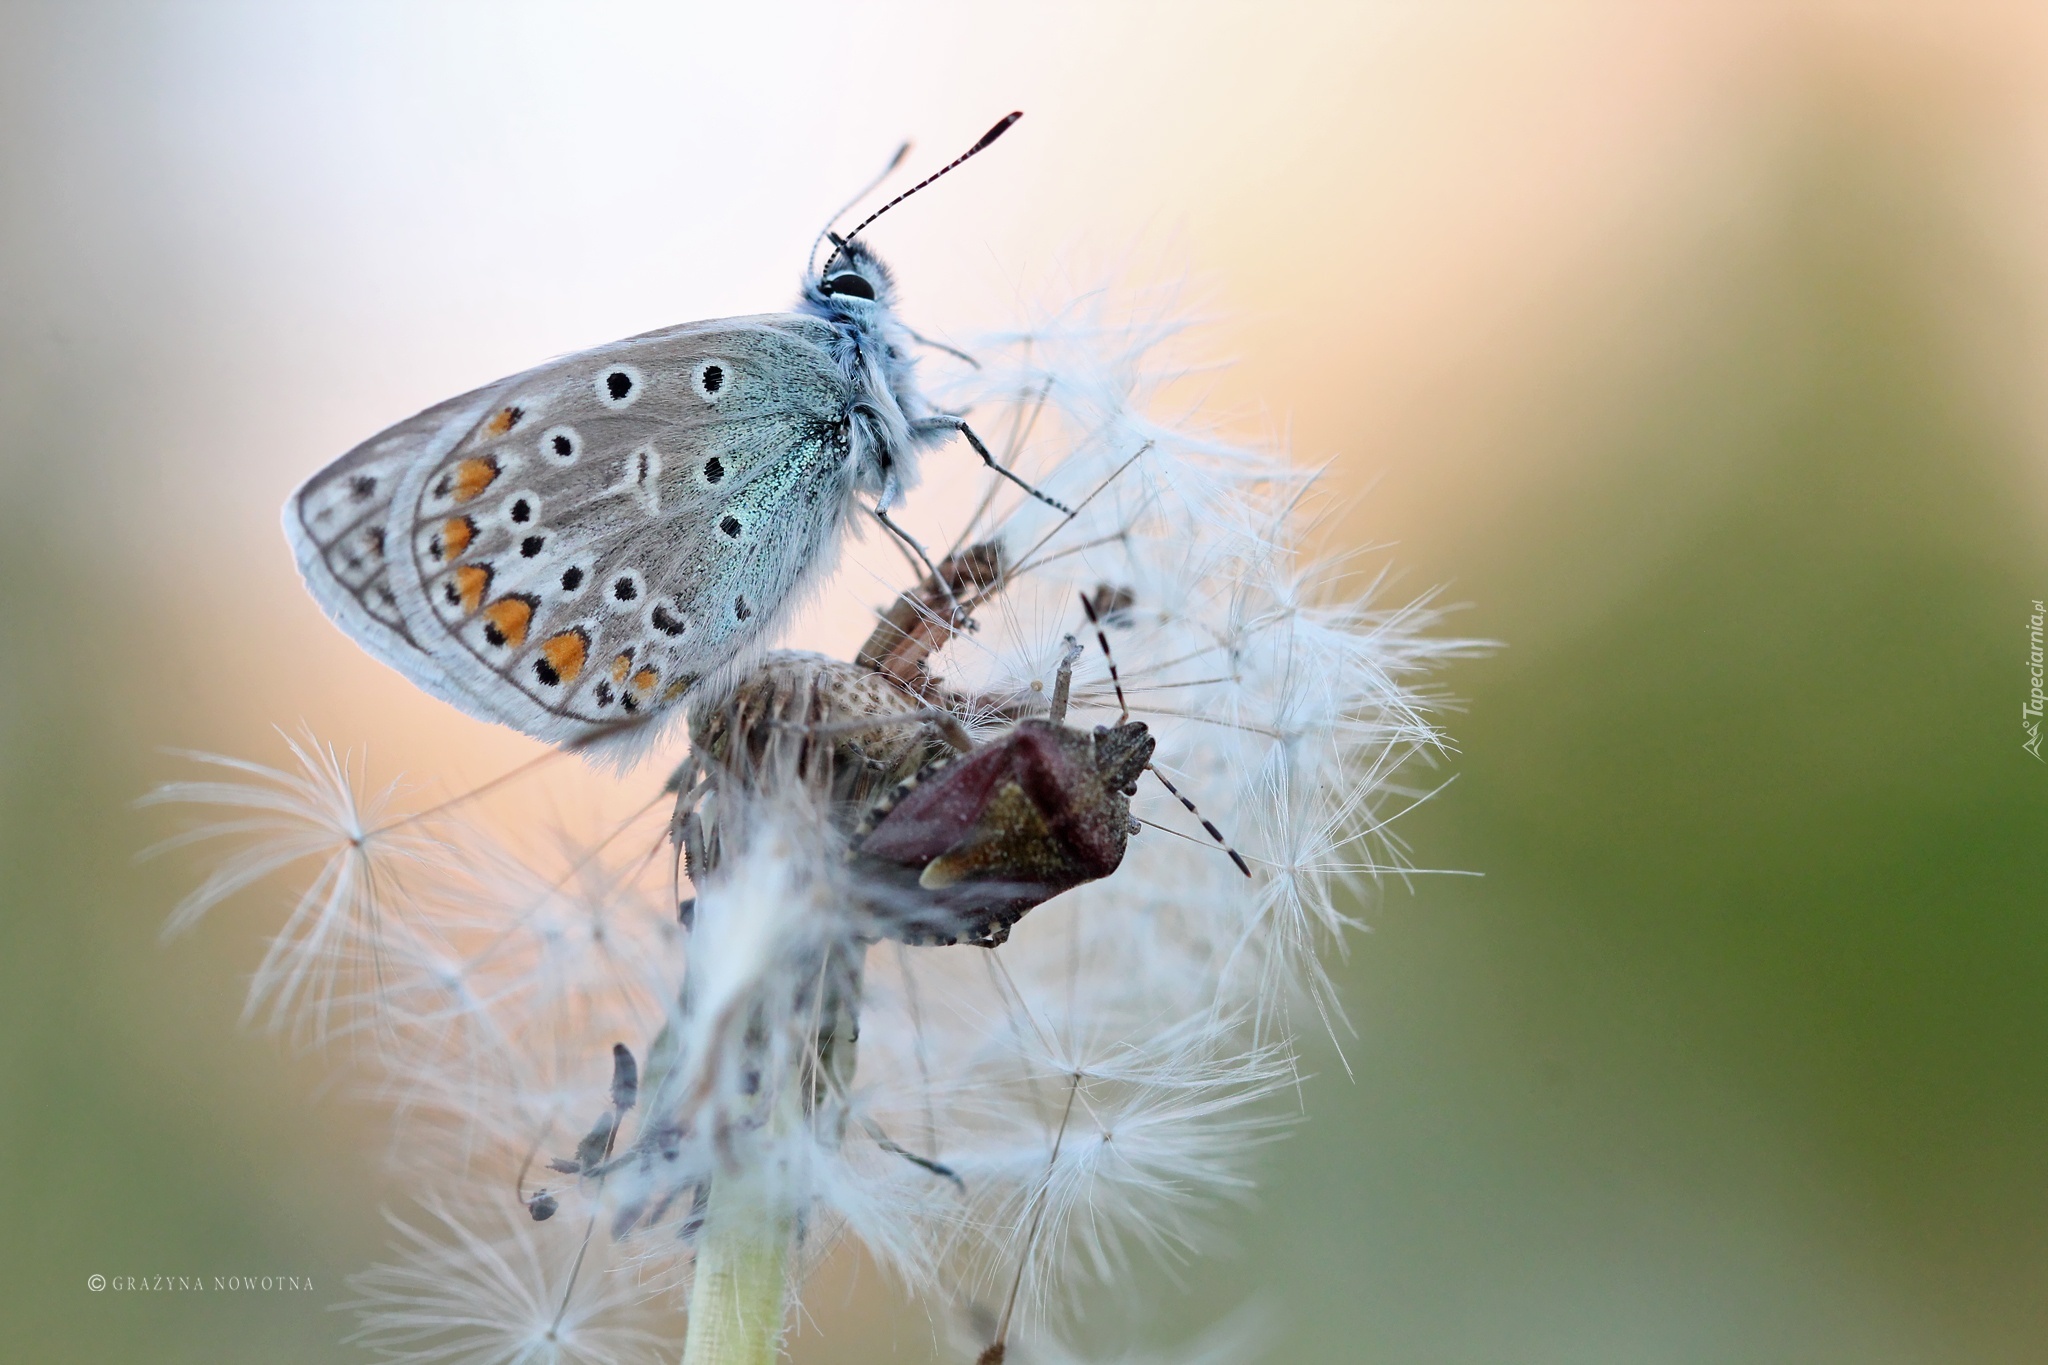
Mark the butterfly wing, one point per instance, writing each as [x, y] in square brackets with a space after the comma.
[580, 546]
[335, 523]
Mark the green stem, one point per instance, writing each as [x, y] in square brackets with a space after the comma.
[736, 1302]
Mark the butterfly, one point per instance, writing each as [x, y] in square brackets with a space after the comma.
[573, 550]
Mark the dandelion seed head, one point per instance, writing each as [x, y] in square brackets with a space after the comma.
[1008, 1123]
[464, 1290]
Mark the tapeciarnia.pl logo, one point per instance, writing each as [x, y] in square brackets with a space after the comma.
[2030, 714]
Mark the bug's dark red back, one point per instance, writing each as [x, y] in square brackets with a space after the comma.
[965, 852]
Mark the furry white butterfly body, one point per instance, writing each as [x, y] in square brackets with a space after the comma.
[574, 550]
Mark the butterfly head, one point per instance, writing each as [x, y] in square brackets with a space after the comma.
[853, 283]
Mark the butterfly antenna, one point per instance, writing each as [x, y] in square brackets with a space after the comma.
[847, 207]
[1002, 126]
[1103, 639]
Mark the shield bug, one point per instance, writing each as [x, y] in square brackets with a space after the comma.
[959, 851]
[949, 841]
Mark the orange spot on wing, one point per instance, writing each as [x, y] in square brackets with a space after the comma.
[645, 679]
[564, 653]
[472, 581]
[456, 533]
[621, 665]
[503, 420]
[474, 476]
[511, 615]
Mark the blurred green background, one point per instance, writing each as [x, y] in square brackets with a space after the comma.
[1738, 1049]
[1736, 1053]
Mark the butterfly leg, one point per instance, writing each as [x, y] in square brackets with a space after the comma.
[930, 568]
[960, 425]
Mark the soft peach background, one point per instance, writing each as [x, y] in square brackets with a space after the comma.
[1461, 251]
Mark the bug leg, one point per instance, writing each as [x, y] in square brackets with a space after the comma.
[690, 836]
[937, 1168]
[999, 1345]
[1063, 681]
[919, 623]
[945, 722]
[686, 833]
[960, 425]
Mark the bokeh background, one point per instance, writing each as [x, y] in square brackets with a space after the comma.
[1700, 348]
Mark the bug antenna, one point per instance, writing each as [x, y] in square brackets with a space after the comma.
[1214, 833]
[1114, 681]
[847, 207]
[1002, 126]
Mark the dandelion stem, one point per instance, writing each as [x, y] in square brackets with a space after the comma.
[736, 1302]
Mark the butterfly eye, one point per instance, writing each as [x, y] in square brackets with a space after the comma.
[852, 285]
